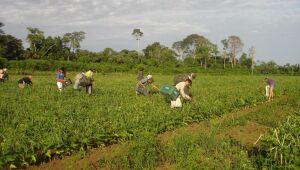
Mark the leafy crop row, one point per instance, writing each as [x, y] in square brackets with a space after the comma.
[39, 123]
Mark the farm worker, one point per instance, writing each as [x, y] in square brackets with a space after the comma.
[89, 86]
[182, 77]
[1, 75]
[61, 78]
[5, 76]
[85, 80]
[25, 81]
[141, 87]
[269, 88]
[183, 88]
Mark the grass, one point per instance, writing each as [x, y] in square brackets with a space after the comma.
[39, 122]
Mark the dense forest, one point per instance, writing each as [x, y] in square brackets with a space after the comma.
[193, 53]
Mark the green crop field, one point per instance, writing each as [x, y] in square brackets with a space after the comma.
[39, 123]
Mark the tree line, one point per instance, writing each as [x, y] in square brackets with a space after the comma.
[193, 51]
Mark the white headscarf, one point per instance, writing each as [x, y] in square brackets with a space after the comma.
[149, 77]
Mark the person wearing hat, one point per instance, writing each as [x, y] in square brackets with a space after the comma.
[270, 88]
[141, 87]
[183, 77]
[183, 88]
[25, 81]
[89, 75]
[85, 80]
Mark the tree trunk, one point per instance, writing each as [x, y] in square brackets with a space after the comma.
[205, 63]
[138, 45]
[138, 50]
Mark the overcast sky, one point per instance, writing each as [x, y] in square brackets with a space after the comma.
[271, 26]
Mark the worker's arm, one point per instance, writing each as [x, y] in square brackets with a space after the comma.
[142, 85]
[155, 87]
[184, 95]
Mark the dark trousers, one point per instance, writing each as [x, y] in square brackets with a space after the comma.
[89, 89]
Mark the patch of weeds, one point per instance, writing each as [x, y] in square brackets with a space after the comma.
[280, 150]
[142, 153]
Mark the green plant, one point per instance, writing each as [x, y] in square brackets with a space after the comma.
[281, 149]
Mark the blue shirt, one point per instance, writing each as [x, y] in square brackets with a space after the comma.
[60, 76]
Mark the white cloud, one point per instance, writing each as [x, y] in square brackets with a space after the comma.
[161, 20]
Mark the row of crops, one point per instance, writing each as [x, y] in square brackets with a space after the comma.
[39, 123]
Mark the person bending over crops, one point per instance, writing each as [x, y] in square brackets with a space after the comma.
[270, 88]
[183, 88]
[3, 75]
[141, 87]
[85, 80]
[182, 77]
[25, 82]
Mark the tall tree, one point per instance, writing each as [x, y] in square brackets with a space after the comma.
[36, 39]
[11, 48]
[159, 54]
[195, 46]
[1, 25]
[252, 56]
[225, 51]
[137, 34]
[190, 43]
[235, 46]
[177, 47]
[72, 41]
[245, 61]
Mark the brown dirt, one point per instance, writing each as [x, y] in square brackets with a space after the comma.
[76, 162]
[247, 135]
[205, 126]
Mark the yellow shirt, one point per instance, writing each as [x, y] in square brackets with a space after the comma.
[89, 74]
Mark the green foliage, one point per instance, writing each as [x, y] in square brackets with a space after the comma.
[39, 123]
[10, 47]
[245, 62]
[137, 33]
[142, 153]
[193, 51]
[188, 152]
[281, 149]
[3, 62]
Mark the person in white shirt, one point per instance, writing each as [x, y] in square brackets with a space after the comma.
[183, 88]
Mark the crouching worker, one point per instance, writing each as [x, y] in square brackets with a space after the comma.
[270, 85]
[183, 89]
[85, 80]
[25, 82]
[3, 75]
[141, 87]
